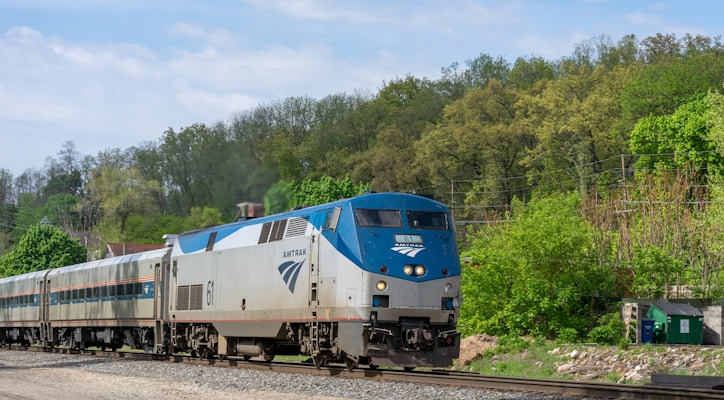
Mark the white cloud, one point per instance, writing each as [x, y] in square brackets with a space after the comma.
[644, 19]
[196, 62]
[212, 37]
[118, 95]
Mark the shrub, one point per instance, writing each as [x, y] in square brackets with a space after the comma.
[609, 331]
[568, 335]
[511, 344]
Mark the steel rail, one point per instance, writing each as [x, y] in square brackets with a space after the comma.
[598, 390]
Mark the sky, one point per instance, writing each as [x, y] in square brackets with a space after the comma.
[110, 74]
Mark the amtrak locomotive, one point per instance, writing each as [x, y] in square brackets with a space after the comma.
[371, 280]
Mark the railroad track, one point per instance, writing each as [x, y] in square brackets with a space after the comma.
[432, 377]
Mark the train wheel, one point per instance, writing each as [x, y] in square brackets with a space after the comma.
[205, 353]
[318, 360]
[350, 363]
[247, 358]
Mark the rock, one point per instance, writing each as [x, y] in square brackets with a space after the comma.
[473, 346]
[633, 377]
[634, 364]
[565, 368]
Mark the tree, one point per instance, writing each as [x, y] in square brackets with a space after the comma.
[484, 69]
[667, 254]
[714, 117]
[536, 274]
[527, 72]
[121, 194]
[151, 229]
[279, 198]
[480, 141]
[187, 161]
[708, 239]
[392, 165]
[42, 247]
[63, 174]
[575, 122]
[678, 140]
[325, 190]
[8, 210]
[207, 166]
[675, 71]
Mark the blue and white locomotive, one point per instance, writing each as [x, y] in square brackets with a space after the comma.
[371, 280]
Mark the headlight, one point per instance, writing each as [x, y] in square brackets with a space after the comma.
[407, 269]
[381, 286]
[447, 288]
[420, 270]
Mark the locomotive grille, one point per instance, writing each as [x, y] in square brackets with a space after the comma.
[264, 236]
[197, 294]
[182, 298]
[296, 227]
[189, 297]
[278, 230]
[272, 231]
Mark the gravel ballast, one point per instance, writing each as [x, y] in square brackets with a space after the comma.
[31, 375]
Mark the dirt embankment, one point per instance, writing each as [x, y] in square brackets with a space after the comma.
[632, 365]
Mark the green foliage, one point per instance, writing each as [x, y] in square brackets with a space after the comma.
[511, 343]
[534, 274]
[28, 214]
[279, 198]
[660, 87]
[7, 213]
[532, 361]
[575, 123]
[677, 140]
[479, 137]
[714, 117]
[202, 217]
[708, 232]
[60, 208]
[610, 330]
[42, 247]
[152, 229]
[324, 190]
[654, 269]
[568, 335]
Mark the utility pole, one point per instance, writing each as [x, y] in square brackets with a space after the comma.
[452, 197]
[623, 174]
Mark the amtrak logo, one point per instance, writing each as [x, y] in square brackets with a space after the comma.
[289, 272]
[408, 250]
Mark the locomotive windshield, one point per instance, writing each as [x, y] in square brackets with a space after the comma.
[378, 218]
[426, 220]
[368, 217]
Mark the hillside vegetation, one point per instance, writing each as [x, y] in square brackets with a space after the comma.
[573, 182]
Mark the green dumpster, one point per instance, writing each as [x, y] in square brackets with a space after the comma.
[676, 323]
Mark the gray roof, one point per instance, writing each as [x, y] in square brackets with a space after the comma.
[677, 308]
